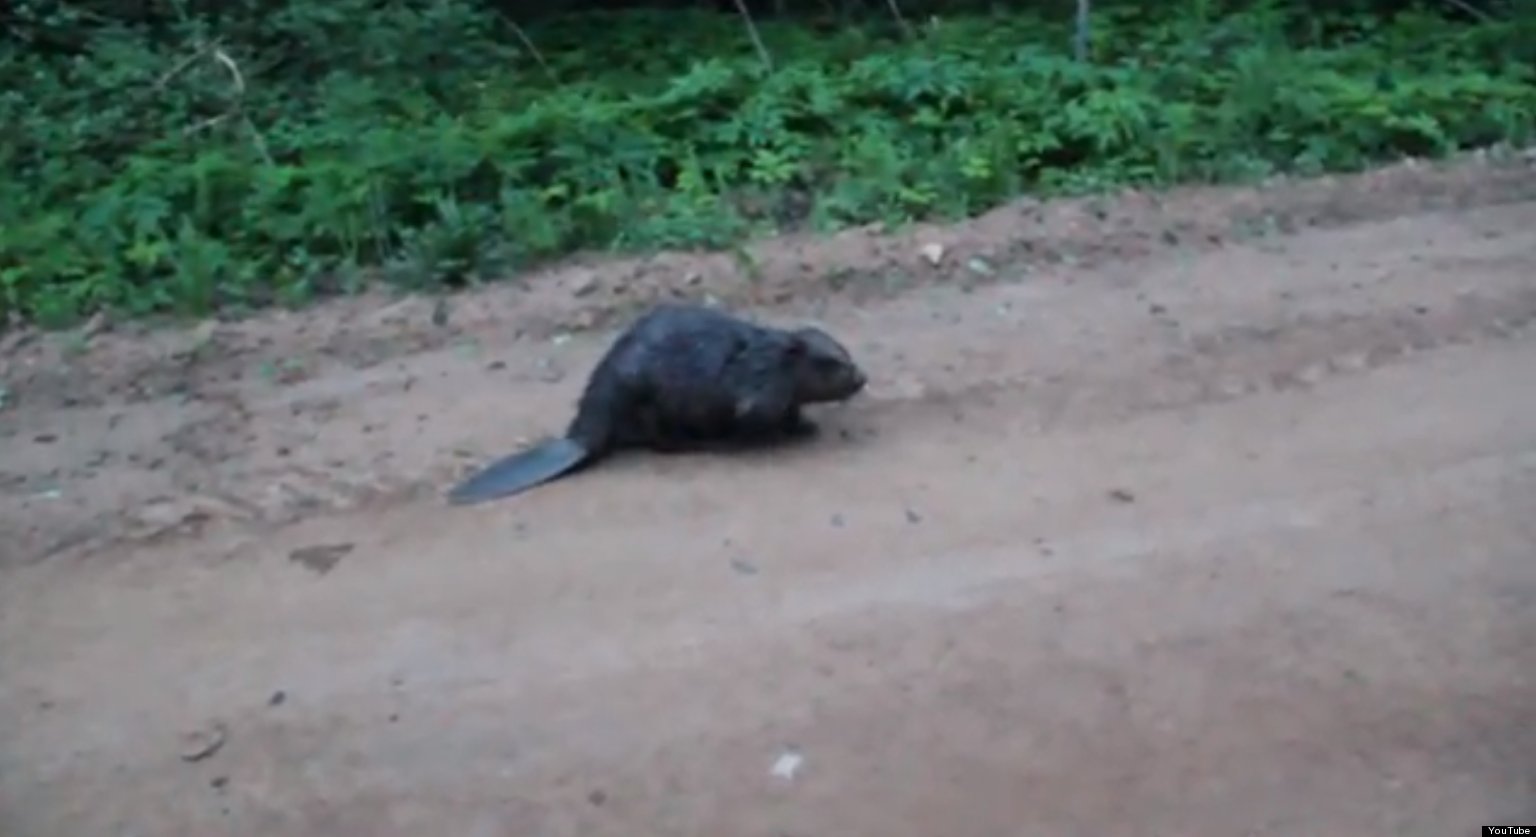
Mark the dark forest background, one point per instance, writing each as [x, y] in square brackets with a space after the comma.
[206, 156]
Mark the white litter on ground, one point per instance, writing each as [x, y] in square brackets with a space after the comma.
[787, 765]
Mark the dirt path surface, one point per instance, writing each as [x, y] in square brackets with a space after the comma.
[1235, 540]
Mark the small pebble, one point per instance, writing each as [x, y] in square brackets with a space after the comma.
[202, 743]
[322, 558]
[278, 697]
[913, 517]
[1121, 495]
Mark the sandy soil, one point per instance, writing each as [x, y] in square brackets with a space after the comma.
[1157, 518]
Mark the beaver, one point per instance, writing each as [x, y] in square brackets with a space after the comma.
[684, 377]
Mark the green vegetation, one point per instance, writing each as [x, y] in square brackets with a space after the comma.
[268, 152]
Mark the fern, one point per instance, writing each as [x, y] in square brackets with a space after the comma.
[429, 141]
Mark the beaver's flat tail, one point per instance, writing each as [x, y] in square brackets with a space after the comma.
[520, 471]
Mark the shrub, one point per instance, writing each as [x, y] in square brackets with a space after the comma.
[158, 169]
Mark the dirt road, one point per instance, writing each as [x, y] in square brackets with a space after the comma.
[1231, 543]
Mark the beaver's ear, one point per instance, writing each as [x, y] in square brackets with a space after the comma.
[797, 346]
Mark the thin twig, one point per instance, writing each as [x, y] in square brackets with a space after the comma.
[1080, 40]
[1472, 10]
[234, 70]
[528, 42]
[259, 141]
[757, 41]
[183, 64]
[205, 124]
[900, 21]
[239, 105]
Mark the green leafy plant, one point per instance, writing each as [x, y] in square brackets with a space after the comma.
[241, 155]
